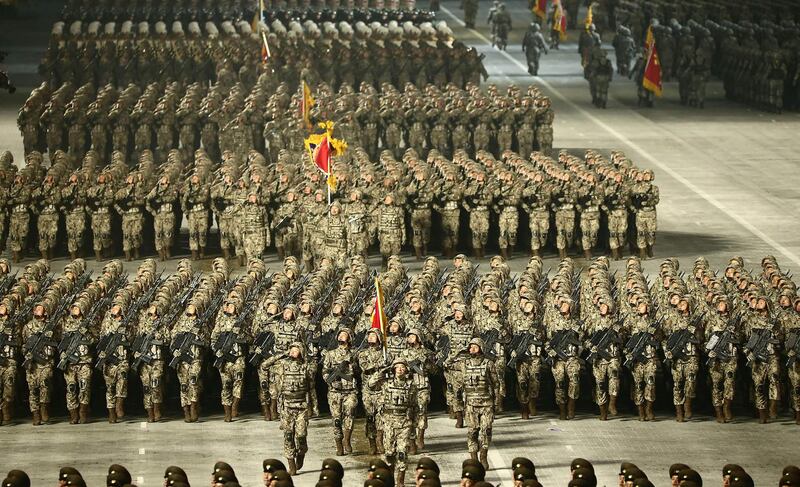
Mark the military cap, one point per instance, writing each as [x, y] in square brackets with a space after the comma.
[374, 465]
[677, 468]
[272, 465]
[585, 473]
[384, 475]
[427, 474]
[581, 463]
[333, 464]
[790, 480]
[789, 469]
[523, 473]
[64, 472]
[373, 483]
[473, 473]
[692, 476]
[281, 475]
[173, 472]
[625, 466]
[634, 473]
[75, 480]
[327, 474]
[429, 483]
[221, 466]
[427, 463]
[224, 476]
[118, 479]
[21, 475]
[16, 481]
[469, 462]
[520, 462]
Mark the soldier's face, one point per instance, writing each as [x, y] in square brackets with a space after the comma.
[400, 370]
[458, 315]
[474, 349]
[343, 338]
[294, 352]
[287, 314]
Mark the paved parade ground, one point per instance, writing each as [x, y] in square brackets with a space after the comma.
[728, 178]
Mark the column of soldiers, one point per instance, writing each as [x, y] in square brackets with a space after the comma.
[751, 48]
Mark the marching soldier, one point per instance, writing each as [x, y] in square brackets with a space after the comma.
[161, 203]
[195, 203]
[231, 372]
[39, 371]
[73, 204]
[9, 355]
[480, 377]
[189, 368]
[116, 366]
[151, 371]
[371, 362]
[524, 319]
[566, 365]
[391, 228]
[419, 361]
[339, 371]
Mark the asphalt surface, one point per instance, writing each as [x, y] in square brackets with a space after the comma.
[728, 179]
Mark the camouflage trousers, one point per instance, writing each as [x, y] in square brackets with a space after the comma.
[590, 225]
[8, 381]
[101, 231]
[606, 376]
[684, 379]
[450, 227]
[645, 228]
[151, 376]
[644, 382]
[565, 228]
[420, 227]
[454, 392]
[479, 226]
[231, 374]
[528, 377]
[419, 413]
[357, 244]
[116, 378]
[294, 424]
[617, 228]
[79, 384]
[723, 381]
[544, 137]
[396, 429]
[525, 141]
[479, 427]
[198, 228]
[47, 225]
[766, 379]
[567, 376]
[539, 224]
[500, 367]
[2, 229]
[254, 243]
[227, 234]
[509, 224]
[343, 410]
[189, 378]
[164, 226]
[794, 384]
[505, 139]
[132, 227]
[372, 406]
[18, 229]
[264, 383]
[76, 227]
[389, 243]
[39, 379]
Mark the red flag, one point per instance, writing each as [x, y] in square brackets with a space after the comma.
[322, 155]
[652, 70]
[559, 20]
[378, 314]
[540, 8]
[265, 53]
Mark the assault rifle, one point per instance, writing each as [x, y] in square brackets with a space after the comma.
[678, 342]
[434, 295]
[600, 341]
[560, 343]
[107, 348]
[792, 345]
[472, 285]
[719, 346]
[181, 348]
[397, 299]
[490, 338]
[263, 347]
[636, 346]
[223, 348]
[295, 290]
[69, 347]
[23, 315]
[756, 347]
[442, 350]
[8, 281]
[520, 348]
[143, 348]
[416, 367]
[339, 372]
[144, 300]
[356, 307]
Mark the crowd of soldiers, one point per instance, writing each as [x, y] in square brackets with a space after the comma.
[589, 203]
[291, 327]
[752, 49]
[426, 474]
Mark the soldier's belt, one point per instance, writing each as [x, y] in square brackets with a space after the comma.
[481, 208]
[49, 209]
[21, 208]
[102, 209]
[166, 207]
[199, 208]
[451, 205]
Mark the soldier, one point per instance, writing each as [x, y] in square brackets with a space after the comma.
[391, 228]
[39, 371]
[765, 370]
[231, 372]
[130, 203]
[501, 25]
[645, 366]
[623, 49]
[480, 377]
[478, 196]
[523, 320]
[188, 370]
[100, 198]
[78, 375]
[616, 203]
[565, 364]
[358, 222]
[115, 367]
[151, 372]
[9, 354]
[286, 224]
[790, 321]
[450, 210]
[47, 198]
[398, 393]
[339, 369]
[224, 194]
[419, 361]
[335, 231]
[19, 198]
[544, 125]
[589, 200]
[606, 365]
[296, 380]
[599, 72]
[532, 45]
[421, 193]
[470, 12]
[644, 197]
[161, 203]
[371, 362]
[564, 199]
[508, 200]
[722, 370]
[255, 226]
[195, 203]
[459, 330]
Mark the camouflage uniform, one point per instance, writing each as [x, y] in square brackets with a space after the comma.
[478, 197]
[129, 204]
[684, 370]
[152, 374]
[645, 198]
[189, 370]
[644, 372]
[605, 370]
[20, 219]
[287, 237]
[115, 369]
[371, 362]
[38, 375]
[357, 216]
[765, 374]
[566, 373]
[420, 356]
[195, 202]
[480, 377]
[231, 373]
[334, 228]
[295, 381]
[391, 229]
[225, 199]
[564, 207]
[536, 201]
[48, 199]
[722, 373]
[460, 333]
[8, 366]
[100, 198]
[529, 368]
[421, 194]
[79, 375]
[162, 202]
[342, 393]
[510, 196]
[73, 203]
[255, 225]
[450, 210]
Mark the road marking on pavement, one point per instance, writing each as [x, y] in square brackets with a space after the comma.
[141, 451]
[143, 425]
[636, 147]
[499, 463]
[140, 480]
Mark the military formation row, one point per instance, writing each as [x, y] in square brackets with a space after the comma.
[757, 60]
[256, 204]
[426, 474]
[389, 52]
[230, 117]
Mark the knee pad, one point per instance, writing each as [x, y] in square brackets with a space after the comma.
[146, 389]
[154, 382]
[561, 383]
[337, 423]
[193, 380]
[474, 435]
[288, 436]
[264, 385]
[760, 389]
[239, 375]
[719, 386]
[774, 378]
[601, 387]
[72, 388]
[690, 377]
[797, 391]
[401, 456]
[729, 374]
[83, 384]
[184, 388]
